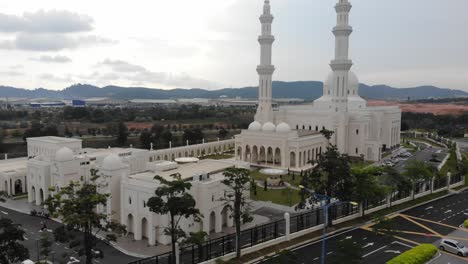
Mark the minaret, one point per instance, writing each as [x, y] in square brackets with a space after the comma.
[265, 69]
[341, 64]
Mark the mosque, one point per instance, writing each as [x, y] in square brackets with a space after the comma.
[289, 136]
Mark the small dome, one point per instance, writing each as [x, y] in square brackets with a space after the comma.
[353, 80]
[283, 128]
[329, 80]
[64, 154]
[112, 162]
[255, 126]
[269, 127]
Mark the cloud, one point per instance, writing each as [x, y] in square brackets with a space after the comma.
[11, 73]
[53, 21]
[51, 42]
[140, 75]
[53, 78]
[52, 59]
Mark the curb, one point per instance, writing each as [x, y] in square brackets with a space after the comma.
[347, 229]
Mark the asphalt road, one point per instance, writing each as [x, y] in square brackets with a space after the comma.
[31, 225]
[423, 224]
[424, 155]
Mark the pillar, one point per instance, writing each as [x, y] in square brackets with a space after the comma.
[287, 227]
[219, 222]
[137, 228]
[177, 253]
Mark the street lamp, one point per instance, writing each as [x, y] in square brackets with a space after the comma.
[325, 207]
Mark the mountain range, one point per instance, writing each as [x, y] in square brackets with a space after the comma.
[308, 90]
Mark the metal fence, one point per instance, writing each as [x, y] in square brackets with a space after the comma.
[224, 245]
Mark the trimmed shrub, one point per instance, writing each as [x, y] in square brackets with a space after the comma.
[417, 255]
[465, 224]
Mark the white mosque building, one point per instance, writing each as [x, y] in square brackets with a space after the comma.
[289, 136]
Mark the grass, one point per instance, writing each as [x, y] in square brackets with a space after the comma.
[219, 156]
[288, 197]
[317, 234]
[361, 164]
[293, 180]
[451, 164]
[427, 141]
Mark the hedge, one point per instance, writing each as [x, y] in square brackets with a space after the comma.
[417, 255]
[465, 223]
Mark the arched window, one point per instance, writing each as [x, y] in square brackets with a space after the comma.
[357, 131]
[129, 200]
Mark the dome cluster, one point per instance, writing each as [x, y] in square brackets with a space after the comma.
[269, 127]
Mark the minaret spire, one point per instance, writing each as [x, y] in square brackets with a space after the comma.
[341, 64]
[265, 69]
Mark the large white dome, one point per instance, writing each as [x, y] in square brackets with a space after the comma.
[283, 128]
[64, 154]
[353, 80]
[255, 126]
[112, 162]
[269, 127]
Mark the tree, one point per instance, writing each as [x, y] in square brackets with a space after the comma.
[417, 171]
[332, 175]
[76, 203]
[146, 139]
[366, 185]
[327, 133]
[222, 133]
[122, 134]
[197, 239]
[172, 199]
[235, 201]
[348, 252]
[12, 251]
[45, 246]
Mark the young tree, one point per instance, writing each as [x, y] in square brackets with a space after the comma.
[76, 205]
[122, 134]
[45, 246]
[327, 134]
[197, 239]
[172, 199]
[222, 133]
[12, 251]
[146, 139]
[235, 200]
[366, 185]
[417, 171]
[348, 252]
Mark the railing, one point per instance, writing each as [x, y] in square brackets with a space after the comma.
[224, 245]
[165, 258]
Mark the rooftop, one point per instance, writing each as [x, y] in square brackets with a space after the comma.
[54, 140]
[13, 164]
[186, 171]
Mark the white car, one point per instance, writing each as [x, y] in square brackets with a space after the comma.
[454, 247]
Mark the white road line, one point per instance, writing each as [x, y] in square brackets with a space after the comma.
[5, 213]
[403, 244]
[316, 258]
[429, 208]
[331, 252]
[448, 211]
[370, 253]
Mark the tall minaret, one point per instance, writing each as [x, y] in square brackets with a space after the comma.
[265, 69]
[341, 64]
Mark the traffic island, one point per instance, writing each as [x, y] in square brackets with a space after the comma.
[417, 255]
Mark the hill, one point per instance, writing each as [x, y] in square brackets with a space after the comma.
[308, 90]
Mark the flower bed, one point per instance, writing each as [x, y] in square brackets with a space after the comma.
[417, 255]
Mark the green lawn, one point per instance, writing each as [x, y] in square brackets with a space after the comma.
[288, 197]
[294, 180]
[218, 156]
[361, 164]
[451, 164]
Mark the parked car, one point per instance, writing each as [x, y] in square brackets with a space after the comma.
[454, 247]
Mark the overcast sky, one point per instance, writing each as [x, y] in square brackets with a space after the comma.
[213, 43]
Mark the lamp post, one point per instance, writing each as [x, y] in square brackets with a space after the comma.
[325, 207]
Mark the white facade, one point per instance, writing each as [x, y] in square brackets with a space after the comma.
[13, 180]
[359, 130]
[128, 176]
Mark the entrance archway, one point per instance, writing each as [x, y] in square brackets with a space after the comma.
[212, 222]
[144, 228]
[292, 159]
[130, 224]
[18, 186]
[225, 216]
[33, 194]
[41, 196]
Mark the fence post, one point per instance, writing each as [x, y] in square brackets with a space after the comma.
[287, 223]
[177, 253]
[449, 180]
[389, 201]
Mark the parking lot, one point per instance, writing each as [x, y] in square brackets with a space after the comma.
[424, 224]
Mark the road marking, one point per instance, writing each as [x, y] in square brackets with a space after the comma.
[438, 223]
[421, 225]
[370, 253]
[429, 208]
[368, 245]
[316, 258]
[331, 252]
[5, 213]
[393, 251]
[25, 238]
[448, 211]
[403, 244]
